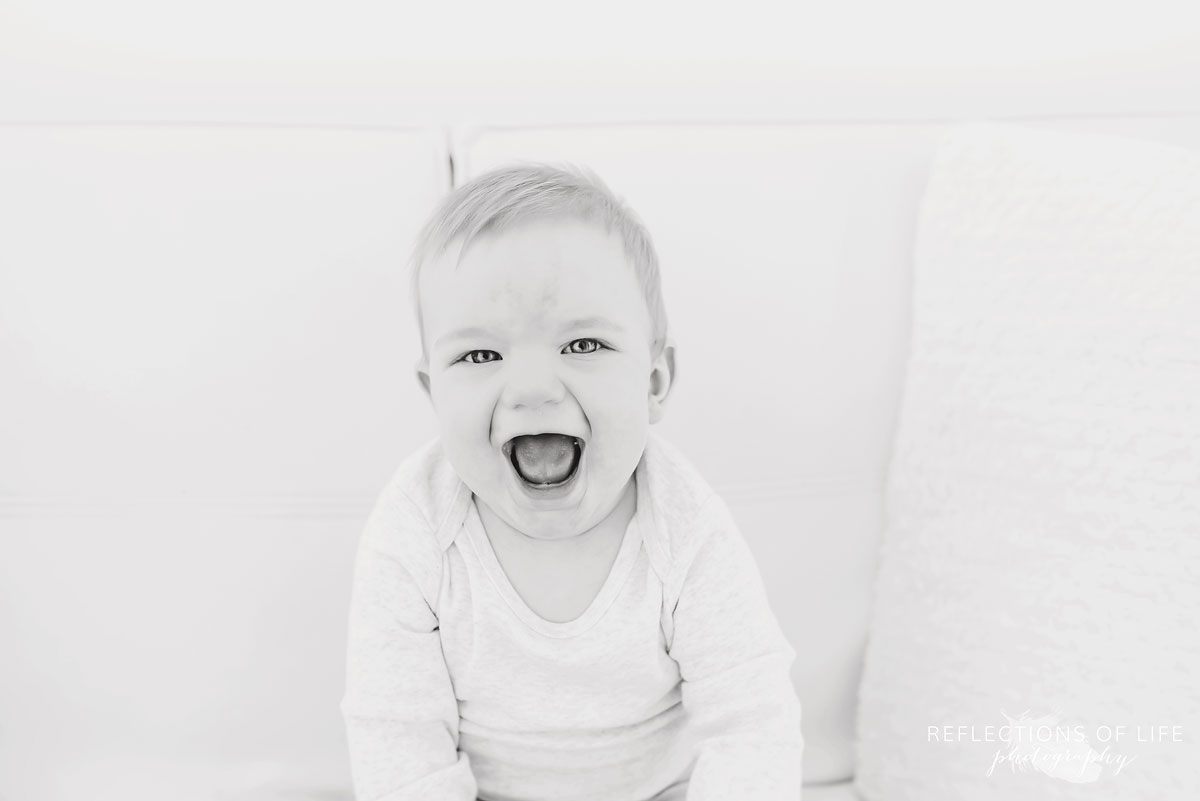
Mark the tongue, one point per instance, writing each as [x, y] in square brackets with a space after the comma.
[544, 458]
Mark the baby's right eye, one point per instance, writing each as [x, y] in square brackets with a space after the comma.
[469, 357]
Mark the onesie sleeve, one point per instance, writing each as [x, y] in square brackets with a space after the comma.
[399, 707]
[734, 663]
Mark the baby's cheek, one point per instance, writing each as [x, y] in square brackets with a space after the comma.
[625, 435]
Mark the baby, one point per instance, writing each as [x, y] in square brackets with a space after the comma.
[549, 601]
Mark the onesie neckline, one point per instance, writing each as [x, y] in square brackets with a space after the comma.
[608, 592]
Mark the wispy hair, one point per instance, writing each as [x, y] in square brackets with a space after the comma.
[522, 191]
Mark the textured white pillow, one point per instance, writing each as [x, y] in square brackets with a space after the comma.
[1042, 552]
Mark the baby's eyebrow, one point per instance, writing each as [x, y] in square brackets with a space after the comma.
[463, 333]
[591, 322]
[570, 325]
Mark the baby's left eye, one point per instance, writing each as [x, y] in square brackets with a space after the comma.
[587, 345]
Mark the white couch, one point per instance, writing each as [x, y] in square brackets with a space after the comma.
[207, 356]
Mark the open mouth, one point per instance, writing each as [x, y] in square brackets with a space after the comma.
[545, 461]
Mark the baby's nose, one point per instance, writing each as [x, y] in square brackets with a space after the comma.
[532, 381]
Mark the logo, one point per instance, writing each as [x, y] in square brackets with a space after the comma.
[1049, 745]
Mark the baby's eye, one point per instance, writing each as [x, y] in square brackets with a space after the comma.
[469, 357]
[588, 345]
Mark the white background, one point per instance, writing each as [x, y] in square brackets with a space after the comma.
[387, 62]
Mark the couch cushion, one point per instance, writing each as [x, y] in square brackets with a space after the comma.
[202, 339]
[1043, 539]
[215, 292]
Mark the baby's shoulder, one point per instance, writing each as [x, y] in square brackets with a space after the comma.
[411, 515]
[686, 508]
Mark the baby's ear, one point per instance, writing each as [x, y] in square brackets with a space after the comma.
[662, 378]
[422, 369]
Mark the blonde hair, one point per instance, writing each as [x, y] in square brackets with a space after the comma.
[522, 191]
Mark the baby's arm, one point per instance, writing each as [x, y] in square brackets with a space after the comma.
[735, 663]
[399, 708]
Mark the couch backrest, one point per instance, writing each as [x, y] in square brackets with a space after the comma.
[202, 350]
[207, 358]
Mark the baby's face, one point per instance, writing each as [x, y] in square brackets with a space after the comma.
[542, 329]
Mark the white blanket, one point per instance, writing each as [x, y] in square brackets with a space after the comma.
[1042, 554]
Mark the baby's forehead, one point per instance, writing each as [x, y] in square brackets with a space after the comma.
[580, 290]
[554, 270]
